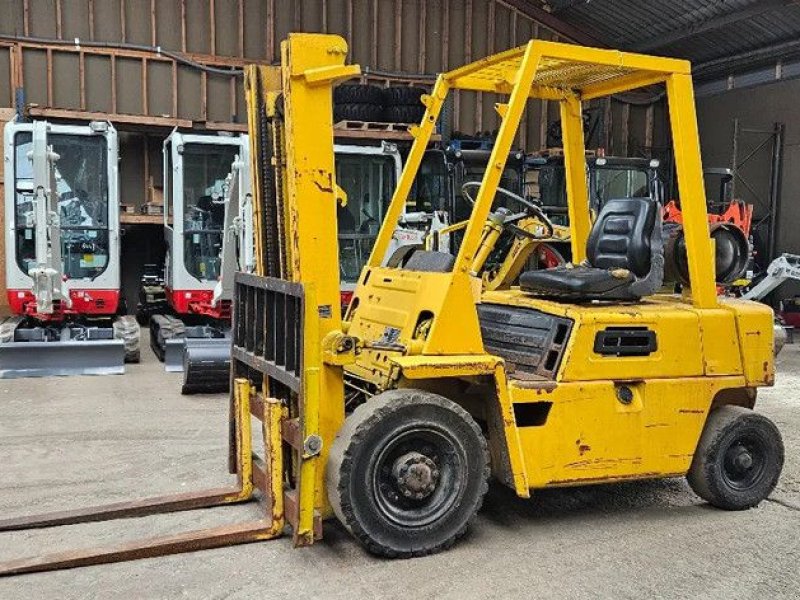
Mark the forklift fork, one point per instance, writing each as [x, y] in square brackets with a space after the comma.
[252, 472]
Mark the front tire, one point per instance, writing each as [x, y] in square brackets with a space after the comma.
[738, 460]
[407, 473]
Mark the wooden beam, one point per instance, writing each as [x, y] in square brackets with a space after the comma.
[240, 6]
[648, 126]
[122, 19]
[398, 35]
[82, 115]
[204, 96]
[82, 79]
[270, 37]
[59, 25]
[446, 34]
[375, 42]
[349, 29]
[49, 77]
[174, 89]
[625, 129]
[26, 17]
[113, 83]
[153, 37]
[91, 19]
[145, 99]
[206, 59]
[212, 26]
[423, 37]
[183, 25]
[146, 164]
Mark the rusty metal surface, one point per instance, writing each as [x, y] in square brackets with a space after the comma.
[122, 510]
[202, 539]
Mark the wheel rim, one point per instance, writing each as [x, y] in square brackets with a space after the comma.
[744, 461]
[418, 476]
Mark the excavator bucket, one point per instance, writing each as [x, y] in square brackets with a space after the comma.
[173, 355]
[41, 359]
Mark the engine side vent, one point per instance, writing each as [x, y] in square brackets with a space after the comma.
[530, 341]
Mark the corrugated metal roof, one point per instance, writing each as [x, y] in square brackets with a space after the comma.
[707, 32]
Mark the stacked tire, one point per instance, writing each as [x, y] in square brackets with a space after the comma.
[357, 103]
[375, 104]
[403, 104]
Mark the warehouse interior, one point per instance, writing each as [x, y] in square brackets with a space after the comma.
[140, 349]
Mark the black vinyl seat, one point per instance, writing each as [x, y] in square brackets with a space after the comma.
[624, 257]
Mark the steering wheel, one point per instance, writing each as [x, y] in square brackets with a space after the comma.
[510, 220]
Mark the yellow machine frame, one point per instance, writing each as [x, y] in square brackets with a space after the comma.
[710, 351]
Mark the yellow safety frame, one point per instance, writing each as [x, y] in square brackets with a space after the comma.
[569, 75]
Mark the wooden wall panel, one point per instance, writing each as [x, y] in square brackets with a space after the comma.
[255, 29]
[35, 66]
[189, 101]
[107, 22]
[168, 25]
[226, 27]
[198, 29]
[137, 22]
[6, 91]
[159, 89]
[66, 85]
[98, 92]
[42, 20]
[12, 21]
[129, 86]
[75, 19]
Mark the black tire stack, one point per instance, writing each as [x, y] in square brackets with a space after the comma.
[352, 102]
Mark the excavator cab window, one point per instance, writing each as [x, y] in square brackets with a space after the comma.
[82, 188]
[369, 181]
[205, 167]
[618, 182]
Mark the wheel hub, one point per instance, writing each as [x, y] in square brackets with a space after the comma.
[742, 459]
[415, 475]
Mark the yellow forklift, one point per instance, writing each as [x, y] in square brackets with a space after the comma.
[394, 417]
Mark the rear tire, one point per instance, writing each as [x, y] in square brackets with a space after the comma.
[738, 460]
[407, 473]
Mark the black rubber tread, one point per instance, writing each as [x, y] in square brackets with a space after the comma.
[126, 328]
[705, 474]
[394, 406]
[357, 94]
[164, 327]
[357, 112]
[402, 96]
[404, 114]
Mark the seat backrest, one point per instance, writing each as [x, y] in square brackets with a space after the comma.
[621, 235]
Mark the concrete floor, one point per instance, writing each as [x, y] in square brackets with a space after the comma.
[71, 442]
